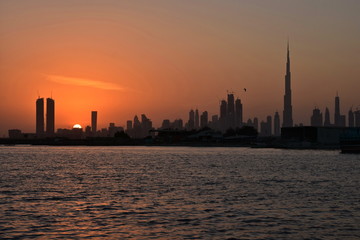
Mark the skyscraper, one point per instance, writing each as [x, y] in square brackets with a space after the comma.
[50, 116]
[327, 122]
[316, 118]
[40, 116]
[337, 111]
[351, 118]
[197, 123]
[94, 121]
[287, 113]
[277, 124]
[230, 111]
[204, 119]
[238, 113]
[191, 122]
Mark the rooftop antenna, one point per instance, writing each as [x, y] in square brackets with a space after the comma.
[38, 93]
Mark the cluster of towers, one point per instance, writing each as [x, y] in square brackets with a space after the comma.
[50, 117]
[317, 119]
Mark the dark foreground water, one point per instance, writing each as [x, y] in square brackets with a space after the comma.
[178, 193]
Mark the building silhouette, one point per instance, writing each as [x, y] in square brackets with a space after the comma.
[238, 113]
[287, 113]
[351, 118]
[339, 120]
[357, 118]
[191, 122]
[204, 119]
[277, 131]
[40, 124]
[197, 120]
[265, 127]
[327, 122]
[94, 122]
[316, 118]
[50, 116]
[230, 111]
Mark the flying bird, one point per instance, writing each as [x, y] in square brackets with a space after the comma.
[245, 89]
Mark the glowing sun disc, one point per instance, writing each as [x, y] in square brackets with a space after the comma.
[77, 126]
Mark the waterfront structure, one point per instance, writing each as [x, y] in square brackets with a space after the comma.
[277, 124]
[50, 116]
[94, 121]
[287, 113]
[40, 124]
[316, 118]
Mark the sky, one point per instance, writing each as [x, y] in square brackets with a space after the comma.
[163, 58]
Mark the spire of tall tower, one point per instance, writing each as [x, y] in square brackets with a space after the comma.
[287, 113]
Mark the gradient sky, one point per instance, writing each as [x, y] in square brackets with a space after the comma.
[162, 58]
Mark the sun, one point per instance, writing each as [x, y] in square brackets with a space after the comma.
[77, 126]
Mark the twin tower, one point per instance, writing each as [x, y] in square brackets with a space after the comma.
[50, 117]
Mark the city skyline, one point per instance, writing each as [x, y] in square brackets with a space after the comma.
[165, 73]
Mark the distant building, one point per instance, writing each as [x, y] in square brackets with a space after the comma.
[204, 119]
[114, 129]
[50, 116]
[351, 118]
[94, 122]
[165, 124]
[287, 113]
[197, 119]
[357, 118]
[340, 120]
[327, 122]
[191, 122]
[238, 113]
[277, 124]
[230, 111]
[316, 118]
[40, 124]
[266, 127]
[256, 123]
[15, 134]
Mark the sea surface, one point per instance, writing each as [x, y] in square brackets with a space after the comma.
[177, 193]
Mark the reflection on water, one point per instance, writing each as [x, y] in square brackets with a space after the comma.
[178, 193]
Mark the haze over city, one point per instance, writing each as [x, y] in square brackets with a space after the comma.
[164, 58]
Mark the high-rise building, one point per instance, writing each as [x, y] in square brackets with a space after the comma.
[340, 120]
[287, 113]
[191, 122]
[223, 117]
[357, 118]
[327, 122]
[204, 119]
[50, 116]
[277, 124]
[230, 111]
[351, 118]
[238, 113]
[337, 111]
[94, 121]
[197, 119]
[40, 116]
[256, 123]
[316, 118]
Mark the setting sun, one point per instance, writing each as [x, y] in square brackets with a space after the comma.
[77, 126]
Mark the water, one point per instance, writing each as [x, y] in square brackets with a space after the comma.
[178, 193]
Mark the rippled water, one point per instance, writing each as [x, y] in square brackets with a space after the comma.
[178, 193]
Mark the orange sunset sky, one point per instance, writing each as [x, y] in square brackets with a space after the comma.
[163, 58]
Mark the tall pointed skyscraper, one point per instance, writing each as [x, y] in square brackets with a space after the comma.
[287, 113]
